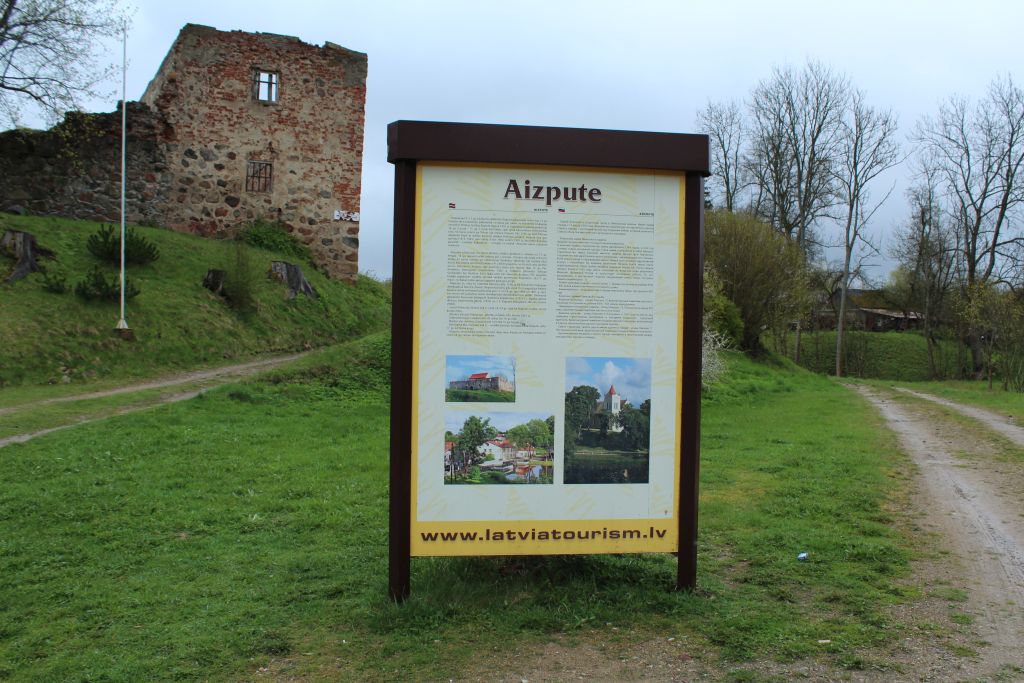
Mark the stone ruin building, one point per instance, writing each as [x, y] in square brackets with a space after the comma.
[234, 127]
[483, 381]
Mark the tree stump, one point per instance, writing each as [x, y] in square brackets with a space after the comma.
[291, 275]
[214, 280]
[24, 248]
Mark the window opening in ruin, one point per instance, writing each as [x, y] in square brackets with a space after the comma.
[265, 85]
[259, 176]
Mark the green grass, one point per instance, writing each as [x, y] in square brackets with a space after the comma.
[478, 396]
[248, 528]
[976, 393]
[34, 418]
[58, 338]
[879, 355]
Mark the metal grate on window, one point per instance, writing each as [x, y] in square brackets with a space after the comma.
[259, 176]
[265, 85]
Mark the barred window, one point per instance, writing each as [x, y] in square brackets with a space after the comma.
[265, 85]
[259, 176]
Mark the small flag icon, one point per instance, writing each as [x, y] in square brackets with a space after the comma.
[451, 205]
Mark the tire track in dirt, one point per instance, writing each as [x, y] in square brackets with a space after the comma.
[997, 422]
[224, 372]
[974, 504]
[205, 379]
[173, 398]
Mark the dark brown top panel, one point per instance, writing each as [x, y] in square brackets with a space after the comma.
[479, 142]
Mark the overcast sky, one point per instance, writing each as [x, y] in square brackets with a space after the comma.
[638, 65]
[631, 377]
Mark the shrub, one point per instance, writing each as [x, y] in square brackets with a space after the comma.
[96, 286]
[105, 244]
[761, 271]
[55, 281]
[721, 315]
[239, 284]
[272, 236]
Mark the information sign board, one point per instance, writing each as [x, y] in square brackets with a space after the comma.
[545, 332]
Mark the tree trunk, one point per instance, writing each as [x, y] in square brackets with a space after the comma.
[24, 248]
[291, 275]
[977, 356]
[214, 280]
[796, 348]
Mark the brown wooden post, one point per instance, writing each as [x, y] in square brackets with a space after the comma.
[401, 379]
[693, 296]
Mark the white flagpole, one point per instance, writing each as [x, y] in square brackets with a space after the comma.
[122, 324]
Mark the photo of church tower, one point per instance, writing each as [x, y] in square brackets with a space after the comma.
[607, 436]
[611, 405]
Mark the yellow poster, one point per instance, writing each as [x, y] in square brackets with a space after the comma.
[547, 360]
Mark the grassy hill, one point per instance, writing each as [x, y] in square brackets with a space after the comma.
[52, 338]
[901, 356]
[246, 530]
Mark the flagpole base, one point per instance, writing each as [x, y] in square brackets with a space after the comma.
[124, 332]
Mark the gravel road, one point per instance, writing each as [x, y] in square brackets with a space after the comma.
[973, 500]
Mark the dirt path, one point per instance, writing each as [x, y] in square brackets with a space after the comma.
[966, 509]
[222, 373]
[972, 502]
[202, 380]
[999, 423]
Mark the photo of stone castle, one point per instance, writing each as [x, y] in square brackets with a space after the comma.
[480, 379]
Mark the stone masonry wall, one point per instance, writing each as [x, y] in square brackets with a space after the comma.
[192, 136]
[312, 135]
[74, 169]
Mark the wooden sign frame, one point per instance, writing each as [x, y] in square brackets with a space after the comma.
[415, 144]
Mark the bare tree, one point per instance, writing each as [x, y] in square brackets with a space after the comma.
[795, 140]
[978, 154]
[722, 122]
[868, 148]
[926, 249]
[48, 53]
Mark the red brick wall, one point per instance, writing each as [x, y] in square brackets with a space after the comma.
[313, 135]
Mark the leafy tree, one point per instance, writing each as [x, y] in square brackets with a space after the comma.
[579, 404]
[48, 51]
[636, 427]
[475, 432]
[520, 436]
[993, 316]
[761, 271]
